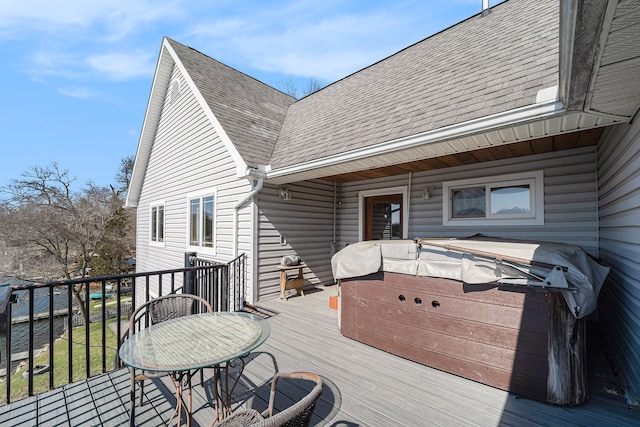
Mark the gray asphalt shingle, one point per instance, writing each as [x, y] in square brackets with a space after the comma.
[479, 67]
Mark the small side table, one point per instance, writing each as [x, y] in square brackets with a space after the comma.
[287, 282]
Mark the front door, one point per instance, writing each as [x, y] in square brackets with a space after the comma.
[383, 217]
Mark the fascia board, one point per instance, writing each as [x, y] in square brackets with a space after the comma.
[159, 86]
[489, 123]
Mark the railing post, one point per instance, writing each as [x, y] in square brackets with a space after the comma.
[224, 289]
[189, 285]
[5, 296]
[6, 299]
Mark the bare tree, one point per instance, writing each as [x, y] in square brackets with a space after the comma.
[291, 89]
[313, 85]
[123, 177]
[42, 215]
[58, 229]
[116, 246]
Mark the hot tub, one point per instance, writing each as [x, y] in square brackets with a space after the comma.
[503, 330]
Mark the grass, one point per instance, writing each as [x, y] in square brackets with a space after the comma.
[19, 385]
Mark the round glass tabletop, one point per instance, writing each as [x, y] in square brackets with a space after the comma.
[194, 341]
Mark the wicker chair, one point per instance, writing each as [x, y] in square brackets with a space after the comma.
[155, 311]
[298, 414]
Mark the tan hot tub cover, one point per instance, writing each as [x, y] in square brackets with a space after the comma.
[556, 266]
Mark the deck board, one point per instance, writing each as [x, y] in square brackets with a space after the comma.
[363, 386]
[107, 402]
[80, 406]
[50, 411]
[23, 412]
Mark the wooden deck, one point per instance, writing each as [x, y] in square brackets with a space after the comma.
[363, 386]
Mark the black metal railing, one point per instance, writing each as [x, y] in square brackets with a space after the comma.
[46, 311]
[220, 286]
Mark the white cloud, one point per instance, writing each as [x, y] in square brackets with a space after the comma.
[116, 17]
[329, 49]
[78, 92]
[85, 39]
[122, 66]
[117, 40]
[324, 40]
[112, 66]
[50, 63]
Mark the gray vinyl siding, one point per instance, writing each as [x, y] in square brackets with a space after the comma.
[569, 199]
[188, 157]
[619, 208]
[307, 222]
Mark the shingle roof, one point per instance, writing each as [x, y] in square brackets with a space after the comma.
[250, 112]
[479, 67]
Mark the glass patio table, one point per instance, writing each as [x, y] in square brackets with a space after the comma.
[185, 344]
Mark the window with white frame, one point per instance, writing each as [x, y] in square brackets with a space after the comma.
[157, 223]
[202, 220]
[514, 199]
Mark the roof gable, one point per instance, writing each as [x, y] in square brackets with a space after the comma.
[250, 112]
[246, 113]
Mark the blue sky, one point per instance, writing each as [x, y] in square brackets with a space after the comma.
[78, 73]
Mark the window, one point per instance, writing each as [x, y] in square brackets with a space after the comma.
[202, 220]
[157, 222]
[515, 199]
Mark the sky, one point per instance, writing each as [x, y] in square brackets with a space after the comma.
[78, 73]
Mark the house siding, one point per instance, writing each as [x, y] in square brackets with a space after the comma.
[619, 211]
[307, 222]
[174, 171]
[569, 198]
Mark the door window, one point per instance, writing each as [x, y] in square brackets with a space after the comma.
[383, 217]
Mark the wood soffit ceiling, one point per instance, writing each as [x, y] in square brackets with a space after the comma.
[567, 141]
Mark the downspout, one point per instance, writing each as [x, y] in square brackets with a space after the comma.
[409, 202]
[257, 186]
[335, 219]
